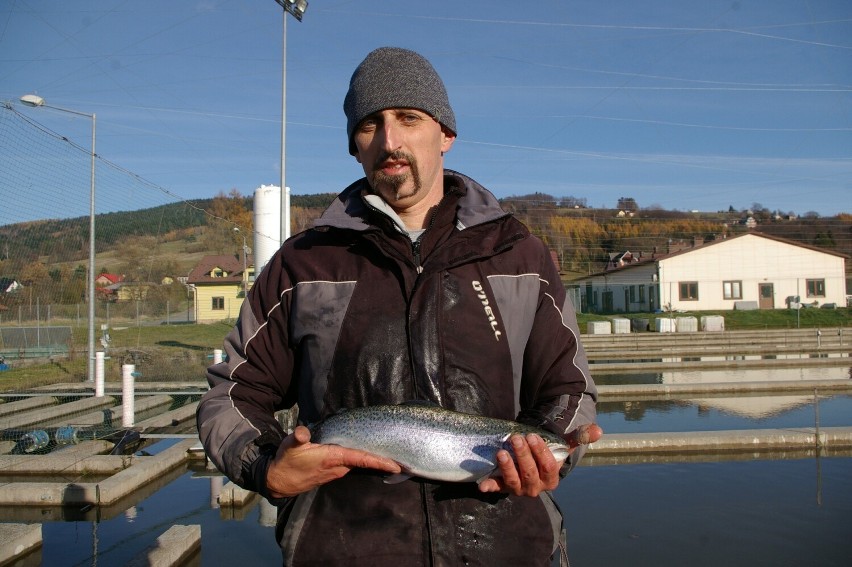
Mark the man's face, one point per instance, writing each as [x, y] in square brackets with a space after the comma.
[401, 151]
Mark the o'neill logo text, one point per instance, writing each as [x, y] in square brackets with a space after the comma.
[492, 319]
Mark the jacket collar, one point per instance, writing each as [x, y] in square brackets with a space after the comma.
[475, 206]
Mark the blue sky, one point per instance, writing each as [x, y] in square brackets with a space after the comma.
[696, 104]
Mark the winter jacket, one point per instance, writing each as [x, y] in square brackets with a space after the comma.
[471, 316]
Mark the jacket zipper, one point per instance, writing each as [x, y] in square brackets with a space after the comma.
[415, 245]
[415, 251]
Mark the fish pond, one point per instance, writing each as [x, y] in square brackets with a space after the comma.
[744, 509]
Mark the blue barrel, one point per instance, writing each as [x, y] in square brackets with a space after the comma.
[66, 435]
[34, 440]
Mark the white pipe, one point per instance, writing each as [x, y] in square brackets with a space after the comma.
[128, 403]
[217, 356]
[99, 374]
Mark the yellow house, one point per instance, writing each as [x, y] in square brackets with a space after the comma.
[220, 283]
[132, 291]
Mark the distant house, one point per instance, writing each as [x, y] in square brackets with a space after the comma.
[104, 280]
[106, 286]
[752, 270]
[9, 285]
[749, 222]
[126, 291]
[218, 282]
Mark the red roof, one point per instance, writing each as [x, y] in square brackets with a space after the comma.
[228, 263]
[113, 278]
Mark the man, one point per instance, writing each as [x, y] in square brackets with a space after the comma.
[413, 285]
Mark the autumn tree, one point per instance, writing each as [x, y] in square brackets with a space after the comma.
[225, 213]
[577, 241]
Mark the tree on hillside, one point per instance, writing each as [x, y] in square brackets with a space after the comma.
[825, 240]
[137, 254]
[627, 204]
[577, 241]
[571, 202]
[37, 281]
[227, 212]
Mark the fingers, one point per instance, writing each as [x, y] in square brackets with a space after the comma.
[354, 458]
[495, 484]
[300, 465]
[301, 435]
[595, 432]
[533, 469]
[546, 464]
[527, 466]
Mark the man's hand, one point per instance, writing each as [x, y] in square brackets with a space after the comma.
[300, 465]
[534, 468]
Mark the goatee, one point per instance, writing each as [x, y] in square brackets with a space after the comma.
[394, 183]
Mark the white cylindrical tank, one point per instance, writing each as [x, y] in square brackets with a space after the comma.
[267, 224]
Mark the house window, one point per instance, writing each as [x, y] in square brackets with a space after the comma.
[633, 294]
[732, 290]
[218, 303]
[816, 288]
[689, 291]
[641, 294]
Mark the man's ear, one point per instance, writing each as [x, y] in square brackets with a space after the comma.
[447, 140]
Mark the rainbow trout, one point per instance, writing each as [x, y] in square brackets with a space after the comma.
[429, 441]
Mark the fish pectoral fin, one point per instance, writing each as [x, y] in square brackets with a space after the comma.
[491, 474]
[397, 478]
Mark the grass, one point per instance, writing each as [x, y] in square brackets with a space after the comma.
[160, 352]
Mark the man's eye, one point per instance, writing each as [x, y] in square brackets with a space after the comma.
[411, 119]
[367, 126]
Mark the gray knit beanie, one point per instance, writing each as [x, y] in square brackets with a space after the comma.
[392, 77]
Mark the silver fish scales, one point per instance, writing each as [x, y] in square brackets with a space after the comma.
[429, 441]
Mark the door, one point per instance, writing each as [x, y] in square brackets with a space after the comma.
[767, 295]
[607, 302]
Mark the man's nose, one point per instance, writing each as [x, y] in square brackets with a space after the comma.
[391, 136]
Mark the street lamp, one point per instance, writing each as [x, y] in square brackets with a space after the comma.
[297, 9]
[37, 101]
[245, 262]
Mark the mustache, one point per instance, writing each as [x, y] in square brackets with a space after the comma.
[396, 155]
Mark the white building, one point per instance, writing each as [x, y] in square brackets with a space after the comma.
[751, 270]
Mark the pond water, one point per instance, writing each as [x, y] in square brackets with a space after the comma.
[726, 412]
[758, 510]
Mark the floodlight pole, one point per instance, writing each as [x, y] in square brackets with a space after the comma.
[37, 101]
[297, 9]
[285, 201]
[245, 263]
